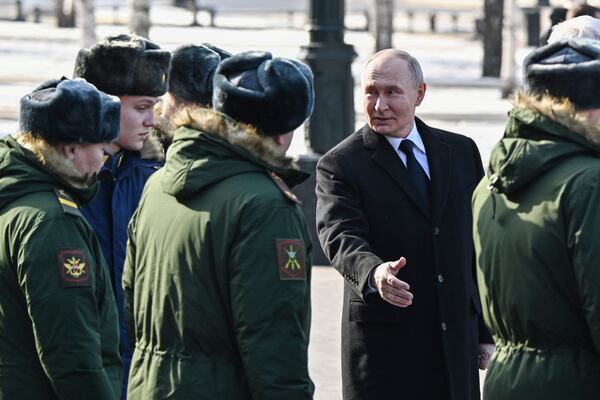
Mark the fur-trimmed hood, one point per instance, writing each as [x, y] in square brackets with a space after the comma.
[209, 146]
[29, 165]
[540, 133]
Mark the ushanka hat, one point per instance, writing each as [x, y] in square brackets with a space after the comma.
[70, 111]
[566, 69]
[274, 95]
[192, 71]
[125, 65]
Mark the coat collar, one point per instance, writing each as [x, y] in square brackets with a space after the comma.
[438, 157]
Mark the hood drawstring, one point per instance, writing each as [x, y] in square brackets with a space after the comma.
[492, 181]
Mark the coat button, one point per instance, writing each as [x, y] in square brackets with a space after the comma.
[436, 230]
[440, 278]
[444, 327]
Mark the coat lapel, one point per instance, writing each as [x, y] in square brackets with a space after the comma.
[440, 167]
[387, 159]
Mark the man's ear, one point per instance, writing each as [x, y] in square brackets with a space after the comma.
[68, 150]
[279, 139]
[421, 93]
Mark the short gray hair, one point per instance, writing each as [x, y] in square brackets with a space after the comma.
[583, 26]
[416, 73]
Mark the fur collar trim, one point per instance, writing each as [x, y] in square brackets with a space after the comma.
[57, 163]
[563, 112]
[235, 133]
[162, 130]
[152, 148]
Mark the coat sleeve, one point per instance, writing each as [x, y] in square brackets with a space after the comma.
[69, 308]
[484, 333]
[342, 225]
[128, 280]
[271, 313]
[583, 219]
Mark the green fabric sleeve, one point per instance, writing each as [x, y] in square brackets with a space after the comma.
[68, 316]
[271, 314]
[583, 219]
[128, 281]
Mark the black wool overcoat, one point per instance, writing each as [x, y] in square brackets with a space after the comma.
[368, 213]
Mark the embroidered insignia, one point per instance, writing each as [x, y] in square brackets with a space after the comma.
[283, 187]
[69, 205]
[73, 268]
[291, 257]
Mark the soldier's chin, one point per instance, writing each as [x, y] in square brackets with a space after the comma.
[88, 179]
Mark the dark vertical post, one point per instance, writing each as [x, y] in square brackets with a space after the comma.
[383, 12]
[330, 60]
[333, 117]
[19, 11]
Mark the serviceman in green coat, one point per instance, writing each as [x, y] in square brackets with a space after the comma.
[536, 222]
[59, 336]
[217, 274]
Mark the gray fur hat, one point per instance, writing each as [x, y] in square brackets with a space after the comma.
[275, 95]
[125, 65]
[192, 71]
[566, 69]
[70, 111]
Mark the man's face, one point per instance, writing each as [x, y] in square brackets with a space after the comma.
[137, 117]
[87, 158]
[390, 96]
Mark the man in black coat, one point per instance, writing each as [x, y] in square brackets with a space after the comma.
[395, 221]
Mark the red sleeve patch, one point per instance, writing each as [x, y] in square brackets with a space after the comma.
[290, 256]
[73, 267]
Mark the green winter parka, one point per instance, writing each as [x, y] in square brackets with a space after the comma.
[217, 274]
[536, 224]
[59, 334]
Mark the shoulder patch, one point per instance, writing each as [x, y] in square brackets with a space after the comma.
[73, 268]
[291, 258]
[67, 203]
[284, 188]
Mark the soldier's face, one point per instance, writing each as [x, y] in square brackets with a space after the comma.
[87, 158]
[137, 117]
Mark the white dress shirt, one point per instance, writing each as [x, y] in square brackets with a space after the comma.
[418, 149]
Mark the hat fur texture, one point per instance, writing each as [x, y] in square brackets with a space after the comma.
[566, 69]
[275, 95]
[70, 111]
[192, 71]
[125, 65]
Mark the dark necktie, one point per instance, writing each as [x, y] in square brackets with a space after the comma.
[416, 172]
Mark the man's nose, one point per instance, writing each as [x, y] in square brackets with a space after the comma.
[381, 104]
[150, 119]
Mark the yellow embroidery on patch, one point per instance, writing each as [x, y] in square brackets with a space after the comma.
[74, 267]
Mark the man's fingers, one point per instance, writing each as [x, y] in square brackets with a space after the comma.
[397, 283]
[395, 266]
[399, 295]
[399, 301]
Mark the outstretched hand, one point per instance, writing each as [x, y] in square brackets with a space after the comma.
[390, 288]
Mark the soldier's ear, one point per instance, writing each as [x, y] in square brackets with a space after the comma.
[67, 150]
